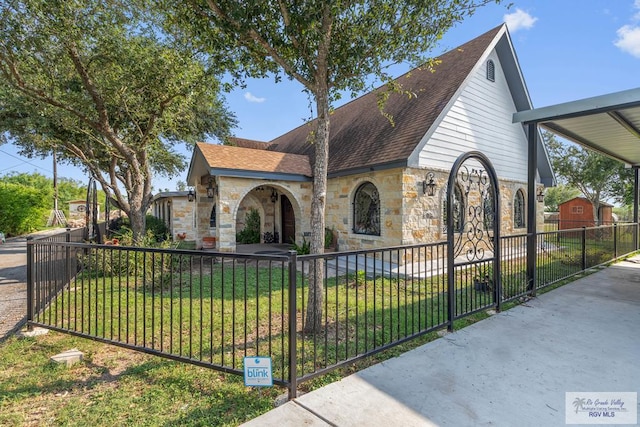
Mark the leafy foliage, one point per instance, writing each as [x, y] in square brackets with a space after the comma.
[556, 195]
[28, 198]
[302, 249]
[328, 47]
[251, 231]
[155, 231]
[22, 208]
[597, 177]
[101, 84]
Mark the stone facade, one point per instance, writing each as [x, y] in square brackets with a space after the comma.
[243, 194]
[177, 213]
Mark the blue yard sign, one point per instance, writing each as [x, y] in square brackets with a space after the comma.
[258, 372]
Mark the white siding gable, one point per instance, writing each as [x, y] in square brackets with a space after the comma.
[480, 118]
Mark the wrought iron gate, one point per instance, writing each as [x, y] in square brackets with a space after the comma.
[473, 234]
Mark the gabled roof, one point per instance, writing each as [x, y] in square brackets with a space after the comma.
[361, 137]
[225, 160]
[587, 201]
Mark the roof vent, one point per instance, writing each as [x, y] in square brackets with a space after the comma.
[491, 71]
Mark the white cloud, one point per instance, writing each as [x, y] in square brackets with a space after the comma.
[519, 20]
[252, 98]
[629, 40]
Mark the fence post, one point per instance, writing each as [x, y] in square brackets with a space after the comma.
[584, 248]
[30, 267]
[615, 240]
[293, 325]
[67, 263]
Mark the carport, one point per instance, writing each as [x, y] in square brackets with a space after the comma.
[608, 124]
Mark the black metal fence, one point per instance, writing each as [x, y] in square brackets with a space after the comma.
[213, 309]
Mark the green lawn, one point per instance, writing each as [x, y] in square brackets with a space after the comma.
[213, 314]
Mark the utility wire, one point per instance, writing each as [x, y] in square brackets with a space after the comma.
[22, 161]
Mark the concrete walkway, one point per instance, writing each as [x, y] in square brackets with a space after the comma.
[512, 369]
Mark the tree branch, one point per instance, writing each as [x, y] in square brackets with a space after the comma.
[257, 38]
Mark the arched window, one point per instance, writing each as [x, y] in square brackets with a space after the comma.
[366, 210]
[488, 211]
[491, 71]
[458, 210]
[212, 218]
[518, 210]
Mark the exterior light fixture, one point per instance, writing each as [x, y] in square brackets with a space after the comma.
[429, 185]
[274, 195]
[540, 196]
[210, 190]
[191, 196]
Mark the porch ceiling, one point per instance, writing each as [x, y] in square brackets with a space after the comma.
[609, 124]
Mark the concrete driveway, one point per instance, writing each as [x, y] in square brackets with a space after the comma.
[512, 369]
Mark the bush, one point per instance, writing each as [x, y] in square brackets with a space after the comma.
[328, 237]
[156, 230]
[251, 232]
[23, 209]
[303, 249]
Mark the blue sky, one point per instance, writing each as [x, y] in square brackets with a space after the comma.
[567, 49]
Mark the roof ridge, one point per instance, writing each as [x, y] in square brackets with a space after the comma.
[381, 86]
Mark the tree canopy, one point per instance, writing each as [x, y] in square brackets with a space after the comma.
[597, 177]
[328, 47]
[101, 84]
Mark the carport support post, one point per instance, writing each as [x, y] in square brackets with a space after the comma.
[532, 136]
[635, 207]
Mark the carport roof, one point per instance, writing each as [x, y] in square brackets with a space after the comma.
[609, 124]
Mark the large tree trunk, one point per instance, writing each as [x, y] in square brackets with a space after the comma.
[313, 322]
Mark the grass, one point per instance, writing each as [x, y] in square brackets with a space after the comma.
[114, 386]
[121, 387]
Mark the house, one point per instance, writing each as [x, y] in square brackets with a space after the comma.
[578, 212]
[379, 171]
[178, 214]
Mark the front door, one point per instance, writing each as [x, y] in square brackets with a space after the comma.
[288, 220]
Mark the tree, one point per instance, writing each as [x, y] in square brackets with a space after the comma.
[26, 202]
[596, 176]
[328, 47]
[555, 195]
[101, 84]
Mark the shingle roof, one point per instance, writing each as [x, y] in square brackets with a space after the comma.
[250, 159]
[360, 136]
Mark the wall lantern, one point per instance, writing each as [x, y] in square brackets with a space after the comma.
[211, 192]
[191, 196]
[274, 195]
[429, 185]
[540, 196]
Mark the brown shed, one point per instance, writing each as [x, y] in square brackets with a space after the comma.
[578, 212]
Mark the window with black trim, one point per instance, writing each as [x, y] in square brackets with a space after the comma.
[212, 218]
[491, 71]
[488, 210]
[518, 210]
[366, 210]
[458, 210]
